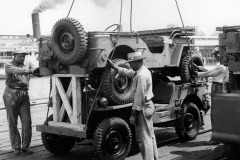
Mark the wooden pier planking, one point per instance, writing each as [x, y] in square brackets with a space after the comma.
[38, 113]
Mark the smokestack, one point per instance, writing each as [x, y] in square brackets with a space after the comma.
[36, 25]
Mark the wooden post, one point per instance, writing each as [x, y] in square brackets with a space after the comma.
[56, 100]
[76, 100]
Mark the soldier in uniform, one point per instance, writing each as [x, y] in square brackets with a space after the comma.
[143, 107]
[16, 101]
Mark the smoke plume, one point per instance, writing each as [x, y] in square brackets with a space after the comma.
[48, 4]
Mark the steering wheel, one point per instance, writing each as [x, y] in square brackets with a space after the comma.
[112, 26]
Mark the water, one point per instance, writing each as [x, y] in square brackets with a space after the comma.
[38, 88]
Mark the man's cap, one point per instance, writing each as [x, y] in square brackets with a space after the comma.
[20, 50]
[135, 56]
[215, 51]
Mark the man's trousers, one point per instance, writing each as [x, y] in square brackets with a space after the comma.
[145, 135]
[17, 104]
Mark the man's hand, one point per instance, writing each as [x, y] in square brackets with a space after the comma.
[132, 119]
[36, 72]
[112, 65]
[195, 73]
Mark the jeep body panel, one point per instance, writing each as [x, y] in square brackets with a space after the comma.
[225, 115]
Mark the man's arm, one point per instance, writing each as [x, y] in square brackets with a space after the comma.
[9, 68]
[139, 99]
[212, 73]
[139, 96]
[199, 68]
[122, 71]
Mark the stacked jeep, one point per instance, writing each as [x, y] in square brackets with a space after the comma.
[105, 97]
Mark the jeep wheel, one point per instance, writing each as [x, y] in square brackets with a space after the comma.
[186, 72]
[116, 88]
[112, 139]
[69, 41]
[188, 124]
[57, 144]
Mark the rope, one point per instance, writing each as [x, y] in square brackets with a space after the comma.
[182, 23]
[95, 97]
[49, 100]
[70, 8]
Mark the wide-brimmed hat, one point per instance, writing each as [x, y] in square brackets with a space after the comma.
[20, 50]
[135, 56]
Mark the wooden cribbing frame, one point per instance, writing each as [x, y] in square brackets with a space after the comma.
[60, 98]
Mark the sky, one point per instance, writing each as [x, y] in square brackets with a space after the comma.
[97, 15]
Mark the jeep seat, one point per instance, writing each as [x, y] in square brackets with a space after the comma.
[163, 91]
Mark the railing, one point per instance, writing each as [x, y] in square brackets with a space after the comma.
[4, 59]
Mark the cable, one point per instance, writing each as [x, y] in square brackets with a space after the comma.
[70, 8]
[131, 17]
[120, 19]
[182, 24]
[49, 101]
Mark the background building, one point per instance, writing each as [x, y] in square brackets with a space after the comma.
[206, 45]
[9, 43]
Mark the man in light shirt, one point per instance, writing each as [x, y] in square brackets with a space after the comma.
[143, 107]
[16, 101]
[220, 78]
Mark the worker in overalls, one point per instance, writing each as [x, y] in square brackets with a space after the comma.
[16, 101]
[143, 107]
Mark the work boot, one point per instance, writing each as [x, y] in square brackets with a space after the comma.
[27, 150]
[17, 151]
[212, 142]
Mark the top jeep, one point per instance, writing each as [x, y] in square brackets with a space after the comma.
[71, 50]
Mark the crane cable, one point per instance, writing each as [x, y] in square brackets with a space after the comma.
[183, 24]
[70, 8]
[115, 44]
[131, 17]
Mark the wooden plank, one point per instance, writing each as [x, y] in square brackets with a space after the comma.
[65, 100]
[75, 127]
[63, 110]
[55, 99]
[61, 128]
[76, 100]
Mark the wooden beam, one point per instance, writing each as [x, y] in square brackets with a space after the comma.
[56, 100]
[76, 100]
[63, 110]
[75, 127]
[64, 99]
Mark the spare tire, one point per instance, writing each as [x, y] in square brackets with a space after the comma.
[186, 70]
[69, 40]
[117, 88]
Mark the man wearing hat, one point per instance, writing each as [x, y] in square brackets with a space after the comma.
[16, 101]
[143, 107]
[220, 78]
